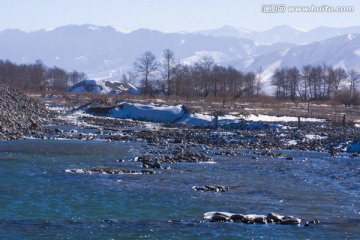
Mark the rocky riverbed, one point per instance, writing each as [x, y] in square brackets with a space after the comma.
[21, 115]
[226, 139]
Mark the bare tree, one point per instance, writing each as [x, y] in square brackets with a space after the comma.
[278, 79]
[128, 78]
[293, 78]
[205, 67]
[249, 80]
[305, 74]
[168, 65]
[259, 73]
[235, 81]
[75, 77]
[354, 77]
[315, 79]
[182, 79]
[219, 79]
[340, 76]
[57, 78]
[37, 76]
[146, 65]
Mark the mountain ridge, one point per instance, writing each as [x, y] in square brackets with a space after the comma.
[104, 52]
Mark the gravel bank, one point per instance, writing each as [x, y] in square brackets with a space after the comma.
[19, 114]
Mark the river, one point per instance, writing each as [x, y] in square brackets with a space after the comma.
[40, 200]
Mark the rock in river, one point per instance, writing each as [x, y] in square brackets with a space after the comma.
[251, 218]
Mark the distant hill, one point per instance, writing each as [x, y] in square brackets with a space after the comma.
[105, 53]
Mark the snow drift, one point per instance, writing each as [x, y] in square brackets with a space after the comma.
[163, 114]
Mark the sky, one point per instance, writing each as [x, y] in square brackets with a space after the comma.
[171, 15]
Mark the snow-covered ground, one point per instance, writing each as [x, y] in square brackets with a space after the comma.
[178, 114]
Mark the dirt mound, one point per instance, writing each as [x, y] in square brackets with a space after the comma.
[19, 114]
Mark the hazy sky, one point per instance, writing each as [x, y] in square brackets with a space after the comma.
[169, 15]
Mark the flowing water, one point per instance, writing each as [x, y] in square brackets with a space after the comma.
[39, 200]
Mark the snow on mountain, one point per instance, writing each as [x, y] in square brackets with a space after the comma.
[88, 86]
[102, 87]
[283, 33]
[226, 31]
[339, 51]
[335, 51]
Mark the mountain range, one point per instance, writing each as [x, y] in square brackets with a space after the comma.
[103, 52]
[283, 33]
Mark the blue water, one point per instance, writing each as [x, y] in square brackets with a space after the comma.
[39, 200]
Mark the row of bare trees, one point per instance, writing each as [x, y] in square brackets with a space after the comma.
[203, 78]
[206, 78]
[320, 82]
[37, 76]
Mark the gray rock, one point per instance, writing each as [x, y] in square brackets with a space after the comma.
[273, 217]
[290, 220]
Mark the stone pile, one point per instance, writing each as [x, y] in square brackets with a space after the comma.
[19, 114]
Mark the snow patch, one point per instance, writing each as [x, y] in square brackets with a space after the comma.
[299, 28]
[284, 52]
[165, 114]
[82, 59]
[216, 55]
[248, 62]
[357, 52]
[94, 28]
[314, 137]
[291, 142]
[267, 118]
[197, 119]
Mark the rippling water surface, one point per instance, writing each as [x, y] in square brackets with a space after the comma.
[39, 200]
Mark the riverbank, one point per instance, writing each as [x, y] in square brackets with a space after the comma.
[166, 123]
[123, 121]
